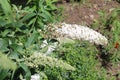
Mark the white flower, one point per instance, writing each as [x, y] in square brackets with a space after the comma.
[44, 44]
[35, 77]
[74, 31]
[51, 48]
[40, 59]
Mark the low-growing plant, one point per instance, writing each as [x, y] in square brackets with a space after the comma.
[113, 23]
[109, 26]
[80, 55]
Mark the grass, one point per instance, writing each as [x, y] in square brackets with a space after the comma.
[109, 26]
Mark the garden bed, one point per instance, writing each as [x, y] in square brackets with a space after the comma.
[86, 13]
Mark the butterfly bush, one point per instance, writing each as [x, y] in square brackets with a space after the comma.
[78, 32]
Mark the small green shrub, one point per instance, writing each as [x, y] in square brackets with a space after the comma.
[109, 26]
[82, 56]
[113, 24]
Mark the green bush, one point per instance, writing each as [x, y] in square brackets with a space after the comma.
[82, 56]
[113, 23]
[109, 26]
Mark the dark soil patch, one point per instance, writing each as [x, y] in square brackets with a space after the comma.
[86, 13]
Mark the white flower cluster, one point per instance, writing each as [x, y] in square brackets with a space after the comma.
[39, 59]
[74, 31]
[50, 47]
[35, 77]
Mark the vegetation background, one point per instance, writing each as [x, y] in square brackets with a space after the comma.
[21, 35]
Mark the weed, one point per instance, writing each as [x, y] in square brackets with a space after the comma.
[109, 26]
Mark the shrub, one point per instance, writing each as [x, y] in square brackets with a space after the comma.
[109, 26]
[82, 56]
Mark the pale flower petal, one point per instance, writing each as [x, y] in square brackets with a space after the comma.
[74, 31]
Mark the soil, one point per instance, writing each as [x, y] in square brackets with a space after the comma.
[85, 14]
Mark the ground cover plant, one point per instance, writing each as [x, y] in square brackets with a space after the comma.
[110, 28]
[21, 55]
[83, 59]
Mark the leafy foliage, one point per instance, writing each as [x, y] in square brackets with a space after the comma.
[20, 38]
[4, 67]
[109, 26]
[114, 24]
[80, 55]
[19, 34]
[4, 60]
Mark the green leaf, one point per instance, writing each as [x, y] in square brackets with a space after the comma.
[101, 13]
[31, 40]
[65, 40]
[28, 16]
[41, 24]
[5, 32]
[18, 24]
[3, 74]
[29, 1]
[46, 16]
[27, 71]
[7, 9]
[32, 21]
[52, 7]
[6, 63]
[43, 50]
[2, 22]
[6, 6]
[3, 45]
[14, 55]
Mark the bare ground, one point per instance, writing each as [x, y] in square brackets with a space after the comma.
[87, 12]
